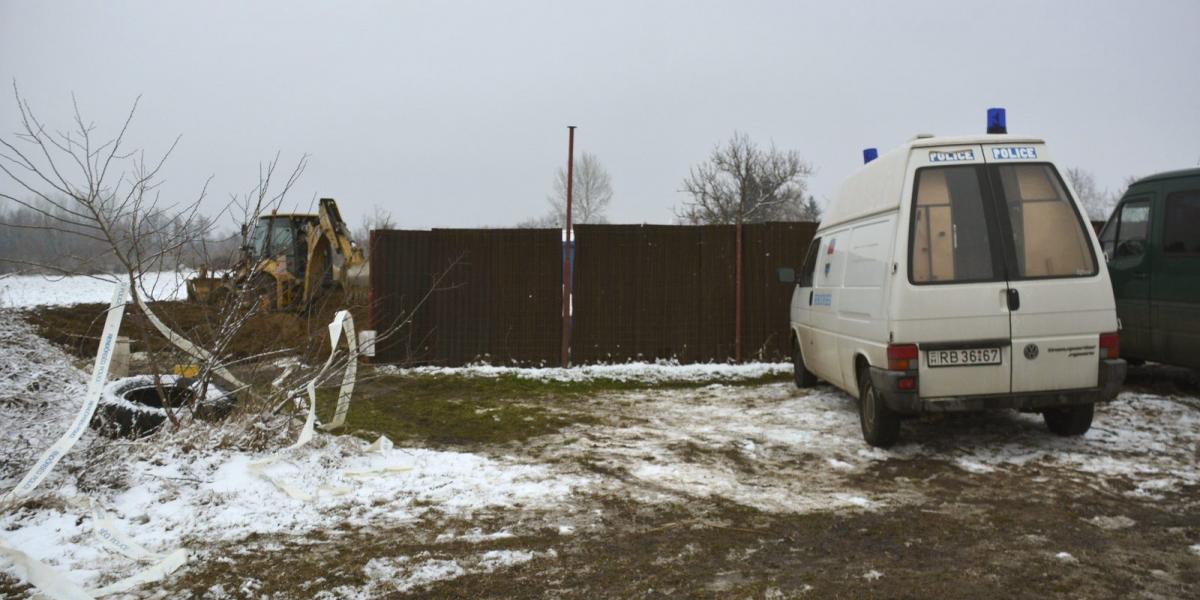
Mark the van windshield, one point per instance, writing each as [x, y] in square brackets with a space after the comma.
[960, 230]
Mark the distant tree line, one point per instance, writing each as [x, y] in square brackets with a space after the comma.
[41, 236]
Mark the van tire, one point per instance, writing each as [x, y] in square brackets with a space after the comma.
[800, 373]
[880, 425]
[1069, 420]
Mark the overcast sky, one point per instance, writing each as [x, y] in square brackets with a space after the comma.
[455, 114]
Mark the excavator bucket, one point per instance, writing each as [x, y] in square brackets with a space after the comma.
[202, 289]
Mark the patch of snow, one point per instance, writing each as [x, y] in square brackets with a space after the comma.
[1066, 557]
[387, 576]
[402, 574]
[656, 372]
[1195, 549]
[475, 535]
[174, 497]
[853, 500]
[26, 291]
[872, 575]
[1112, 523]
[972, 466]
[40, 392]
[499, 559]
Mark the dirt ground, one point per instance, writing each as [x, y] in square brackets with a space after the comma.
[764, 491]
[76, 328]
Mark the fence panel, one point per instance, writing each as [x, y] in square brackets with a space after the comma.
[400, 278]
[489, 294]
[648, 292]
[606, 314]
[765, 316]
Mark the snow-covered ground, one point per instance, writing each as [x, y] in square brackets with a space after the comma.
[779, 449]
[168, 499]
[656, 372]
[24, 291]
[770, 447]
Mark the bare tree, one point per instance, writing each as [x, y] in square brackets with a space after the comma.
[1095, 202]
[1116, 196]
[807, 210]
[743, 183]
[80, 185]
[378, 218]
[591, 195]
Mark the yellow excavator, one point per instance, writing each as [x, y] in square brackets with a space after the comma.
[290, 260]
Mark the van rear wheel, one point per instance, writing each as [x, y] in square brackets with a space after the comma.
[800, 373]
[1069, 420]
[880, 425]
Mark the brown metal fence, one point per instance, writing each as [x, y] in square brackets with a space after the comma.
[651, 292]
[455, 296]
[641, 292]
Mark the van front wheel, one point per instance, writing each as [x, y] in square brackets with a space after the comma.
[880, 425]
[800, 373]
[1069, 420]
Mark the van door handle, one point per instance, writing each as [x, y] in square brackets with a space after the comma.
[1014, 299]
[810, 293]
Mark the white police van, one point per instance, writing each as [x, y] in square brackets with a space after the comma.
[957, 273]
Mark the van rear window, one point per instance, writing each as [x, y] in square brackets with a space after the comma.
[963, 215]
[1048, 235]
[950, 241]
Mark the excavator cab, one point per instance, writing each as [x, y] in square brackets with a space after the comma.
[282, 239]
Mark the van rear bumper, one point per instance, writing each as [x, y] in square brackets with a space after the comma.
[1112, 375]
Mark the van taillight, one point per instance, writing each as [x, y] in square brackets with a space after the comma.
[902, 357]
[1110, 345]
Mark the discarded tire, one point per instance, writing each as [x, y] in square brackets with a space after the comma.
[132, 407]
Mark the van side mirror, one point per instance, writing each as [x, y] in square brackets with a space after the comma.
[1130, 248]
[787, 275]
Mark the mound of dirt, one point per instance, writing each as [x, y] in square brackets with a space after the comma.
[77, 328]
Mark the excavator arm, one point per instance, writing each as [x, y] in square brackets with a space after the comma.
[330, 242]
[335, 230]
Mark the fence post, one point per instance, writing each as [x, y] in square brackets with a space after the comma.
[737, 285]
[566, 305]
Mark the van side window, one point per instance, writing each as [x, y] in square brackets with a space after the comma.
[1048, 234]
[1132, 227]
[950, 240]
[1181, 235]
[810, 263]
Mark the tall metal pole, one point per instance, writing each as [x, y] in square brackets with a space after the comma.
[737, 303]
[566, 307]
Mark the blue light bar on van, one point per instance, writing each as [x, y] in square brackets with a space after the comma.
[996, 121]
[870, 154]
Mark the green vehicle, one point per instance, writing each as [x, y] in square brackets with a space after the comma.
[1152, 243]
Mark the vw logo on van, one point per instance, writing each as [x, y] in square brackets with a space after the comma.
[1031, 351]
